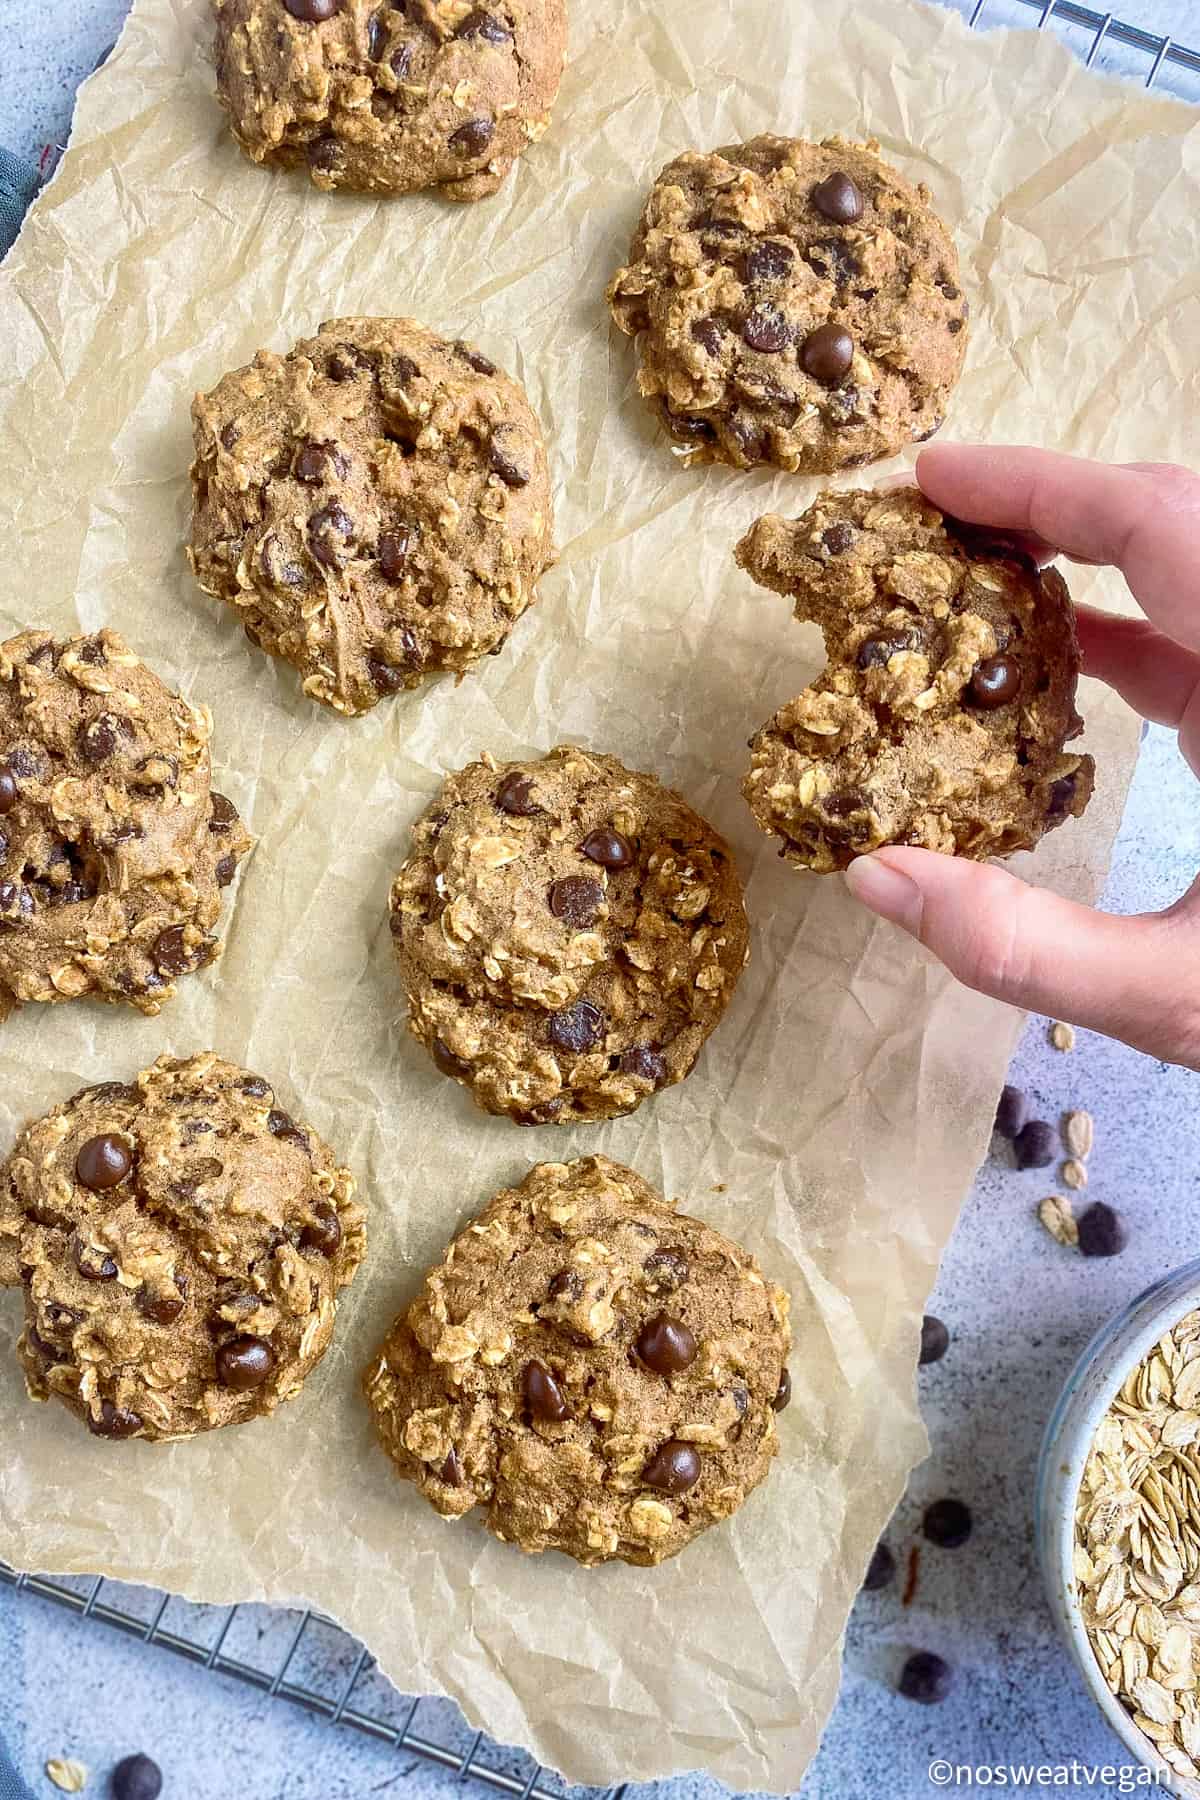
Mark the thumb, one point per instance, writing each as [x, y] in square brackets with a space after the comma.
[1131, 978]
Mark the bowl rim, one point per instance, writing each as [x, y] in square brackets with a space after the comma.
[1099, 1372]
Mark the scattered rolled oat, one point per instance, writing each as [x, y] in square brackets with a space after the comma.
[1079, 1134]
[1062, 1036]
[1137, 1547]
[1074, 1174]
[1056, 1215]
[67, 1774]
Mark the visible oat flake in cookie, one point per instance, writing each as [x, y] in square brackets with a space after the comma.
[388, 99]
[181, 1241]
[569, 932]
[794, 303]
[113, 847]
[948, 698]
[376, 506]
[542, 1373]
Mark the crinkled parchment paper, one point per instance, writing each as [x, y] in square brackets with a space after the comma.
[836, 1118]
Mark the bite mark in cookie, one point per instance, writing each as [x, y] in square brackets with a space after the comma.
[942, 716]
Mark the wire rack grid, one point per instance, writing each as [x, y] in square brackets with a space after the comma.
[348, 1702]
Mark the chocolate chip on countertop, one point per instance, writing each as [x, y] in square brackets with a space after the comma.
[577, 1028]
[543, 1396]
[880, 1570]
[1035, 1145]
[947, 1523]
[1012, 1111]
[576, 900]
[926, 1678]
[244, 1363]
[935, 1341]
[136, 1778]
[608, 848]
[1101, 1231]
[827, 352]
[666, 1345]
[838, 199]
[674, 1467]
[103, 1162]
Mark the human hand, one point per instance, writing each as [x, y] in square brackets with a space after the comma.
[1134, 978]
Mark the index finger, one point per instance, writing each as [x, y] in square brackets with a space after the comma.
[1143, 518]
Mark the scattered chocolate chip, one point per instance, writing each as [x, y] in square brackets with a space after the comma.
[877, 652]
[447, 1062]
[838, 538]
[114, 1421]
[880, 1570]
[451, 1470]
[766, 330]
[313, 12]
[708, 334]
[783, 1393]
[136, 1778]
[329, 532]
[473, 138]
[666, 1270]
[666, 1345]
[8, 791]
[644, 1063]
[94, 1263]
[543, 1396]
[947, 1523]
[935, 1340]
[244, 1363]
[827, 353]
[674, 1468]
[1101, 1231]
[566, 1285]
[392, 552]
[576, 1028]
[103, 1162]
[159, 1306]
[770, 261]
[576, 900]
[1035, 1145]
[608, 848]
[925, 1678]
[838, 199]
[171, 953]
[515, 795]
[481, 24]
[995, 683]
[508, 456]
[323, 1233]
[1012, 1110]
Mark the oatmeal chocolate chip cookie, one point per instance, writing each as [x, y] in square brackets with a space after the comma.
[599, 1371]
[796, 304]
[390, 98]
[948, 695]
[113, 846]
[181, 1241]
[376, 505]
[568, 932]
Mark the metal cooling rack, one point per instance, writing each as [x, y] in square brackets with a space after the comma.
[348, 1704]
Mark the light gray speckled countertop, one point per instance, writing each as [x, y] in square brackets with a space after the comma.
[1019, 1308]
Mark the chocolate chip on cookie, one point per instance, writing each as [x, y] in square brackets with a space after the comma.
[539, 1375]
[391, 100]
[794, 303]
[948, 698]
[106, 851]
[568, 932]
[382, 513]
[158, 1301]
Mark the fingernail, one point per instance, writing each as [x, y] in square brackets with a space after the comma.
[886, 891]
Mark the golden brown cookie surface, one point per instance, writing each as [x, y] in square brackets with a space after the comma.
[948, 697]
[568, 932]
[599, 1371]
[182, 1242]
[113, 846]
[391, 98]
[376, 506]
[796, 304]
